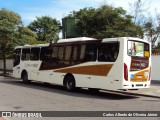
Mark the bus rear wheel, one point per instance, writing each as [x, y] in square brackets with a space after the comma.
[69, 83]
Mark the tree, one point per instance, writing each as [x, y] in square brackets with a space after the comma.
[106, 21]
[137, 10]
[150, 24]
[149, 32]
[8, 24]
[25, 36]
[46, 28]
[152, 30]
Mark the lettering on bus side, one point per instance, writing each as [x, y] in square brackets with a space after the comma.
[31, 65]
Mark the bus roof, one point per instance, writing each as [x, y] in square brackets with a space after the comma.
[125, 38]
[36, 45]
[78, 39]
[82, 39]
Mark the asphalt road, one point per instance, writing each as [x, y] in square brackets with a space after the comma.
[16, 96]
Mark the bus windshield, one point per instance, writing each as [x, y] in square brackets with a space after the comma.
[138, 49]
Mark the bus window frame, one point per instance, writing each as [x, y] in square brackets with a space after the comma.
[31, 59]
[25, 55]
[17, 57]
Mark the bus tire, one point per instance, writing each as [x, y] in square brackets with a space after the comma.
[69, 83]
[25, 77]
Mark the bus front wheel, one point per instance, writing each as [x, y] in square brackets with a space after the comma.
[25, 78]
[69, 83]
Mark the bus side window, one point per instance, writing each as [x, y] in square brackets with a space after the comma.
[16, 57]
[75, 53]
[55, 53]
[42, 53]
[108, 52]
[34, 54]
[26, 54]
[67, 53]
[90, 52]
[82, 52]
[61, 53]
[46, 53]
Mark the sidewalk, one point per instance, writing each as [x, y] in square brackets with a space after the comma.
[1, 118]
[153, 91]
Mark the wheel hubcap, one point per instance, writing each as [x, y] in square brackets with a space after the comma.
[69, 84]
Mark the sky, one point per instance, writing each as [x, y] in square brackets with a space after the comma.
[30, 9]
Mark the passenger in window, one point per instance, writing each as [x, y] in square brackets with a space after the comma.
[109, 55]
[103, 56]
[112, 53]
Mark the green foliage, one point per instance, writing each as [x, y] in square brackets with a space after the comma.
[46, 28]
[8, 24]
[9, 21]
[25, 36]
[152, 33]
[106, 21]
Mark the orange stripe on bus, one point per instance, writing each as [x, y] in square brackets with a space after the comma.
[99, 70]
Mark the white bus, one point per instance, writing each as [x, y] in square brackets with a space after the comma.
[113, 63]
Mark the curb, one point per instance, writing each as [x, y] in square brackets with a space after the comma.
[136, 94]
[155, 82]
[145, 95]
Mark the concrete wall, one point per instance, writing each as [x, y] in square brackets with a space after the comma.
[155, 67]
[9, 64]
